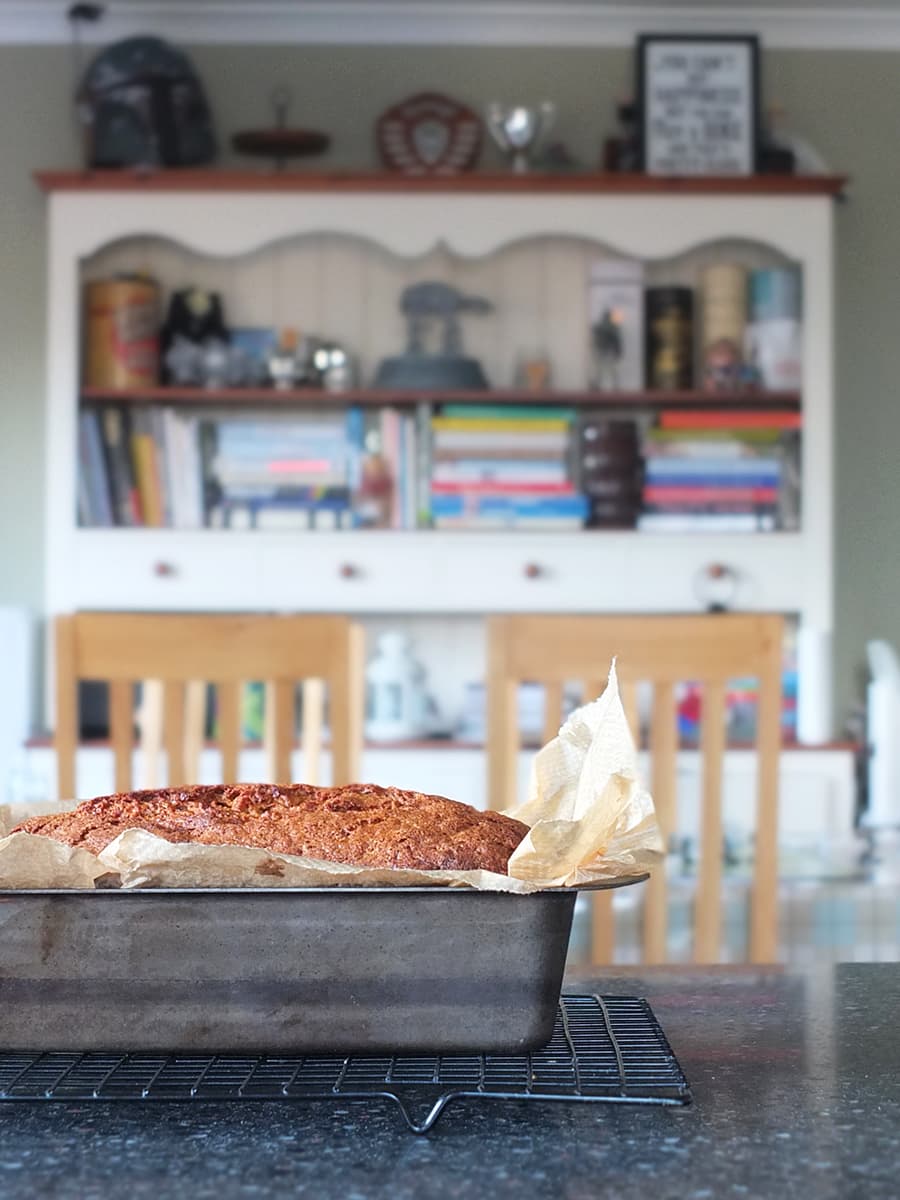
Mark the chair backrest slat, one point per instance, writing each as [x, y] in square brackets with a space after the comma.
[228, 711]
[708, 902]
[502, 717]
[664, 751]
[764, 911]
[121, 731]
[66, 731]
[283, 717]
[173, 731]
[151, 739]
[347, 706]
[194, 726]
[629, 695]
[553, 707]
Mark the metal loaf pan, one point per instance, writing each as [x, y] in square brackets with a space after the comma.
[318, 970]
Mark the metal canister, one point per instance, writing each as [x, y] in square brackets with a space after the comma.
[775, 294]
[670, 337]
[121, 321]
[724, 288]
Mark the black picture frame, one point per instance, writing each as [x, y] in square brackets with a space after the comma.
[750, 42]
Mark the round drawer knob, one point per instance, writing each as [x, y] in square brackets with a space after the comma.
[533, 571]
[349, 571]
[164, 570]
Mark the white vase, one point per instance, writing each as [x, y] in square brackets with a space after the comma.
[396, 700]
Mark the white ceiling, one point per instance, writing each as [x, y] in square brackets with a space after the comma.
[824, 24]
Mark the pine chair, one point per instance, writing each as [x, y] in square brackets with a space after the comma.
[663, 650]
[176, 655]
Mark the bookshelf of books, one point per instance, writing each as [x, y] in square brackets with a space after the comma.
[567, 484]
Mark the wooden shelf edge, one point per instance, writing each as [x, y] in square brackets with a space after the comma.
[300, 397]
[228, 180]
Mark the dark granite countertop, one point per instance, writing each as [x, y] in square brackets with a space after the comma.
[796, 1081]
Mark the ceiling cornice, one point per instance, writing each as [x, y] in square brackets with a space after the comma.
[451, 22]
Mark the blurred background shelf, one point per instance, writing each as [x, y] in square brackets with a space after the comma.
[195, 397]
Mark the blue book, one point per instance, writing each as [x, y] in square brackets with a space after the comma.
[714, 481]
[93, 465]
[735, 468]
[539, 506]
[508, 506]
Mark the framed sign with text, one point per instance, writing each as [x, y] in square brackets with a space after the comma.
[698, 98]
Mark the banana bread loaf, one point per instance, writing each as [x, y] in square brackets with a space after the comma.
[361, 824]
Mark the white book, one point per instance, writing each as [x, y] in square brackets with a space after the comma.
[705, 523]
[470, 441]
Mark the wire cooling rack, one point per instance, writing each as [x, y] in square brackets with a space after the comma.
[604, 1048]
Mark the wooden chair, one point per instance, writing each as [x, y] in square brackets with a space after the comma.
[176, 655]
[664, 650]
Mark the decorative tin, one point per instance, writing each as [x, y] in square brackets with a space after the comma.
[670, 337]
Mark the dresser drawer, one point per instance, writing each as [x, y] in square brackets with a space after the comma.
[165, 570]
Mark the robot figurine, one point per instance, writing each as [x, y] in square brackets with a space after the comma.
[425, 305]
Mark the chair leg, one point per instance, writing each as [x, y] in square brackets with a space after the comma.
[150, 721]
[313, 718]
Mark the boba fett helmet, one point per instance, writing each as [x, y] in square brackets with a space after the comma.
[142, 104]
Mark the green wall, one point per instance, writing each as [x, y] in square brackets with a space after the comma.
[845, 103]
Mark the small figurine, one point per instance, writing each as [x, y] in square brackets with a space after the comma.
[195, 316]
[182, 362]
[284, 365]
[534, 374]
[606, 335]
[725, 370]
[217, 366]
[423, 304]
[333, 367]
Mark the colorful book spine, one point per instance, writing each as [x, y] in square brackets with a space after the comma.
[719, 419]
[97, 499]
[118, 465]
[424, 466]
[544, 506]
[355, 435]
[499, 486]
[143, 454]
[499, 425]
[733, 468]
[481, 470]
[740, 522]
[507, 412]
[702, 495]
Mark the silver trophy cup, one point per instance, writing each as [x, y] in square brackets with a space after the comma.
[517, 130]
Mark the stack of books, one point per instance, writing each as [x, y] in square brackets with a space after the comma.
[502, 466]
[185, 469]
[289, 472]
[140, 467]
[719, 471]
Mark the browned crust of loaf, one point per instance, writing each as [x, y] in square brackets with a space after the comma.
[361, 824]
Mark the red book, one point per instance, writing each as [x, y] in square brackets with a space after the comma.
[710, 495]
[501, 487]
[729, 419]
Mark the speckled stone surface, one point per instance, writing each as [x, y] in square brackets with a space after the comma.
[796, 1079]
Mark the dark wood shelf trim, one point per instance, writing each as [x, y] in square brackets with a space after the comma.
[173, 180]
[310, 397]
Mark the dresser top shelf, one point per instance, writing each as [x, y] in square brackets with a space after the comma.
[174, 180]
